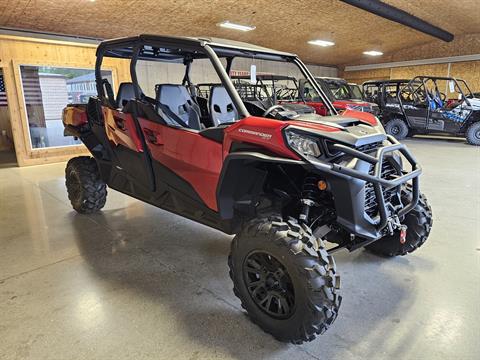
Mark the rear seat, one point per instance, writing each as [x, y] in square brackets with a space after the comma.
[178, 100]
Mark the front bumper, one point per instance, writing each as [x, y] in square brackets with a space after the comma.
[348, 182]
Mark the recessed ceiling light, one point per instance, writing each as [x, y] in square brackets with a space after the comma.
[373, 53]
[323, 43]
[229, 25]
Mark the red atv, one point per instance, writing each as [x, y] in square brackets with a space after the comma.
[341, 94]
[284, 183]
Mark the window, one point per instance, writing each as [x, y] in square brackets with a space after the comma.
[391, 91]
[309, 93]
[46, 91]
[356, 92]
[371, 92]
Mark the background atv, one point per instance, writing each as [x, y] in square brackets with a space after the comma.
[284, 183]
[270, 90]
[431, 105]
[384, 93]
[340, 94]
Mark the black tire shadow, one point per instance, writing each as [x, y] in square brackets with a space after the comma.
[184, 267]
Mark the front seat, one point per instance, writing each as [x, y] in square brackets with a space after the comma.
[179, 101]
[222, 109]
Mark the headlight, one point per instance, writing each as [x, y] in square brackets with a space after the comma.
[302, 144]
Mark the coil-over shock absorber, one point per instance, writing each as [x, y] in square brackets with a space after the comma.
[308, 197]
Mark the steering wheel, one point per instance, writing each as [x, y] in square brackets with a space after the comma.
[273, 108]
[443, 97]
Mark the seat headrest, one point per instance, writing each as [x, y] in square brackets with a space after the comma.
[172, 92]
[126, 92]
[221, 106]
[179, 101]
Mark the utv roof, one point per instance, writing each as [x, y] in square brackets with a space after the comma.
[386, 81]
[123, 47]
[329, 79]
[422, 77]
[264, 77]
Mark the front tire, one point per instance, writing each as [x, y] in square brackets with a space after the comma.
[473, 134]
[284, 278]
[419, 223]
[397, 128]
[86, 190]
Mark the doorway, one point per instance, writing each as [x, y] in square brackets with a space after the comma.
[7, 149]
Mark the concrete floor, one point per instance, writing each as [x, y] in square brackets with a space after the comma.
[136, 282]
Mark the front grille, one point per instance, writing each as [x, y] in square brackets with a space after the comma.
[389, 173]
[367, 148]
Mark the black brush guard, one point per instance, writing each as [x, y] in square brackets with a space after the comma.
[379, 184]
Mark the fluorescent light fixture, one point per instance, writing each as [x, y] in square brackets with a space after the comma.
[373, 53]
[323, 43]
[229, 25]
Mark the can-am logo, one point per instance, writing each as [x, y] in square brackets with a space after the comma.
[256, 133]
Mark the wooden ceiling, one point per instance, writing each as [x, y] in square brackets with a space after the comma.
[280, 24]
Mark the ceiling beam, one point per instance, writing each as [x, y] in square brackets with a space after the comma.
[402, 17]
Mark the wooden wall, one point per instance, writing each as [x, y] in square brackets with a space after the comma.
[469, 71]
[16, 51]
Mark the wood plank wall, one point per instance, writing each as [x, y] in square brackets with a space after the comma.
[469, 71]
[16, 51]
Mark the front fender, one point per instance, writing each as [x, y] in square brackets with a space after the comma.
[242, 180]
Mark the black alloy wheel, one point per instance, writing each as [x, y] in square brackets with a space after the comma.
[269, 284]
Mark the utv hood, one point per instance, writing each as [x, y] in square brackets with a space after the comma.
[349, 130]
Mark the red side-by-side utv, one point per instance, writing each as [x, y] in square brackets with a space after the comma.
[293, 187]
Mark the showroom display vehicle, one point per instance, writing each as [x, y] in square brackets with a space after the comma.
[340, 94]
[269, 90]
[428, 105]
[384, 93]
[285, 183]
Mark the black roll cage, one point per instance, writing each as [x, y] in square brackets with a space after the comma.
[149, 47]
[423, 80]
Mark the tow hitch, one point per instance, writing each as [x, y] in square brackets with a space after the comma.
[403, 234]
[393, 224]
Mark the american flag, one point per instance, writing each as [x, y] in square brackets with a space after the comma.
[3, 94]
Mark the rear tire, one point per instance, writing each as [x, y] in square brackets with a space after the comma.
[284, 278]
[397, 128]
[86, 190]
[419, 223]
[473, 134]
